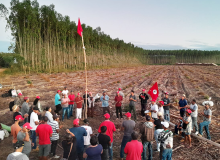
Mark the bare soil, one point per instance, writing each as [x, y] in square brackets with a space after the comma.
[199, 82]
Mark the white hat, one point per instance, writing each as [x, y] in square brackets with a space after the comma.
[159, 114]
[165, 124]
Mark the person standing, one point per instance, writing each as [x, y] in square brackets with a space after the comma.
[182, 105]
[44, 132]
[78, 101]
[18, 100]
[143, 97]
[110, 130]
[128, 127]
[154, 109]
[91, 106]
[58, 102]
[194, 108]
[69, 146]
[105, 141]
[118, 100]
[207, 113]
[166, 107]
[133, 149]
[18, 155]
[79, 133]
[48, 114]
[105, 106]
[158, 129]
[86, 97]
[160, 108]
[147, 136]
[65, 105]
[133, 100]
[15, 128]
[65, 91]
[25, 108]
[89, 133]
[71, 103]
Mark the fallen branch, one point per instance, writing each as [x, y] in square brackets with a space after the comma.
[178, 147]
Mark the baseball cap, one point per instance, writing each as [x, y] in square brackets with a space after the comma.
[118, 92]
[107, 116]
[128, 114]
[58, 91]
[165, 124]
[75, 121]
[162, 102]
[189, 111]
[86, 121]
[119, 89]
[143, 89]
[184, 95]
[38, 97]
[20, 94]
[27, 125]
[18, 144]
[19, 117]
[166, 93]
[159, 114]
[153, 100]
[147, 117]
[36, 108]
[25, 98]
[78, 94]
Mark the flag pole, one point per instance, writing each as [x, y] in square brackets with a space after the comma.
[84, 49]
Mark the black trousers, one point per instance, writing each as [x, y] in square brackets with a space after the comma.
[106, 110]
[182, 112]
[143, 108]
[54, 147]
[118, 109]
[58, 108]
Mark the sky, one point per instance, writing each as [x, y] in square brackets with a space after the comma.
[150, 24]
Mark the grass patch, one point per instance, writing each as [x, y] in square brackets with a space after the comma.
[29, 82]
[206, 97]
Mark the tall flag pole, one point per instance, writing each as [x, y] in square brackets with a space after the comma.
[80, 32]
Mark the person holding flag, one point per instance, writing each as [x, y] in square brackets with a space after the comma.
[153, 92]
[143, 97]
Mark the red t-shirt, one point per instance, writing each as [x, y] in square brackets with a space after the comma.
[110, 128]
[77, 99]
[44, 131]
[71, 97]
[133, 150]
[117, 99]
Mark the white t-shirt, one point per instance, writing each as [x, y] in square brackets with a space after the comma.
[155, 108]
[160, 109]
[49, 116]
[87, 138]
[33, 119]
[65, 92]
[194, 107]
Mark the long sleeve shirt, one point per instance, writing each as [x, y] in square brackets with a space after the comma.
[105, 101]
[24, 108]
[165, 138]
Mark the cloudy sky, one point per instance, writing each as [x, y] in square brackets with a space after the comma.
[151, 24]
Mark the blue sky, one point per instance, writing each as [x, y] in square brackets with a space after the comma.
[151, 24]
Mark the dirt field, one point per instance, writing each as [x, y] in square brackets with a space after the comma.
[199, 82]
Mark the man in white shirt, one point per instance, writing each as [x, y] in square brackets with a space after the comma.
[65, 91]
[34, 122]
[89, 134]
[154, 109]
[160, 108]
[194, 108]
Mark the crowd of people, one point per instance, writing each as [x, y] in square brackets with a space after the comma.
[81, 143]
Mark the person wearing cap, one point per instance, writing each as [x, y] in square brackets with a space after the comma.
[105, 106]
[15, 128]
[65, 106]
[37, 103]
[187, 127]
[55, 135]
[78, 101]
[143, 97]
[160, 108]
[110, 130]
[91, 106]
[65, 91]
[194, 108]
[166, 106]
[23, 135]
[182, 105]
[58, 102]
[34, 122]
[89, 133]
[154, 109]
[18, 100]
[147, 136]
[18, 155]
[25, 108]
[133, 149]
[121, 93]
[105, 141]
[207, 113]
[79, 133]
[118, 102]
[133, 100]
[128, 126]
[166, 142]
[71, 103]
[48, 114]
[158, 129]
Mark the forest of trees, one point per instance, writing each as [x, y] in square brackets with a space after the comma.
[47, 41]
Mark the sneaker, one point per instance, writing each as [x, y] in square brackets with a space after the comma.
[197, 132]
[56, 156]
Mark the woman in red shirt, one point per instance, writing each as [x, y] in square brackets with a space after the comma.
[118, 100]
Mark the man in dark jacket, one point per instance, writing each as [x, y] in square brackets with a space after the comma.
[143, 97]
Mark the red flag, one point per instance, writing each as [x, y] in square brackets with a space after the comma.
[153, 92]
[79, 28]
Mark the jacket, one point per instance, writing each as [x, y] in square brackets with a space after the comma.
[147, 132]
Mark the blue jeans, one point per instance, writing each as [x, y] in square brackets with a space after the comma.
[34, 138]
[111, 152]
[167, 154]
[144, 154]
[206, 125]
[194, 123]
[64, 112]
[125, 140]
[71, 107]
[167, 115]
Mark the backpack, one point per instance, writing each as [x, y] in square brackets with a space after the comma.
[11, 104]
[148, 134]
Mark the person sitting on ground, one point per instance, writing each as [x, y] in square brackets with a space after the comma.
[118, 100]
[133, 100]
[91, 101]
[194, 108]
[182, 105]
[65, 91]
[48, 114]
[69, 146]
[187, 127]
[133, 149]
[58, 102]
[128, 126]
[147, 136]
[158, 129]
[94, 151]
[44, 132]
[79, 133]
[110, 130]
[18, 100]
[25, 109]
[105, 141]
[89, 133]
[18, 155]
[154, 109]
[37, 104]
[121, 93]
[160, 108]
[71, 103]
[65, 105]
[178, 127]
[143, 97]
[2, 133]
[15, 128]
[207, 113]
[166, 107]
[23, 135]
[166, 140]
[78, 101]
[105, 105]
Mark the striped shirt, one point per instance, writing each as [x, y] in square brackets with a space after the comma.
[55, 126]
